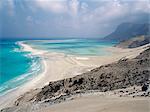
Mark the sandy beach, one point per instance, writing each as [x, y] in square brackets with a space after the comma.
[74, 56]
[98, 103]
[57, 66]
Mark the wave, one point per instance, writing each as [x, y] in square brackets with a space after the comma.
[34, 70]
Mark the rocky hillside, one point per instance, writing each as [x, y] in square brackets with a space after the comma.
[134, 42]
[122, 74]
[128, 30]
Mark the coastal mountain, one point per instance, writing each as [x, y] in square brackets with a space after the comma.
[128, 30]
[134, 42]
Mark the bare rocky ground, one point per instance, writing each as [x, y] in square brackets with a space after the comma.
[125, 78]
[134, 42]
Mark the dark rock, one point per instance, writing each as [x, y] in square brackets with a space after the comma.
[145, 87]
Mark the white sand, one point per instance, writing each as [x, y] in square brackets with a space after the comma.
[98, 103]
[58, 66]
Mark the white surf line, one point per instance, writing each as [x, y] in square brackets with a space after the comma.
[8, 98]
[36, 79]
[28, 48]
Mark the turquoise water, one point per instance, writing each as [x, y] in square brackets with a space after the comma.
[80, 47]
[18, 66]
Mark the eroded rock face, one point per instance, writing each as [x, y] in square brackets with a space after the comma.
[122, 74]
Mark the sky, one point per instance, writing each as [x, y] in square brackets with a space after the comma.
[68, 18]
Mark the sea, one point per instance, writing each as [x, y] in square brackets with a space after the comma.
[18, 66]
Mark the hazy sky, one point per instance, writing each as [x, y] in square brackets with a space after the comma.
[68, 18]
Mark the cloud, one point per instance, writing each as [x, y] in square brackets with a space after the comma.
[10, 7]
[29, 19]
[142, 5]
[74, 17]
[70, 7]
[58, 6]
[84, 7]
[115, 10]
[108, 10]
[74, 7]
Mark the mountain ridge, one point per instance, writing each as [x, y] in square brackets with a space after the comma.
[128, 30]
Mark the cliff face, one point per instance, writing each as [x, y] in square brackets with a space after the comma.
[122, 74]
[128, 30]
[134, 42]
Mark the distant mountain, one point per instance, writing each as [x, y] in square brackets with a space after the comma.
[128, 30]
[134, 42]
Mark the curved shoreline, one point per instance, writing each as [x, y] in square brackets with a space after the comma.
[58, 66]
[10, 94]
[38, 53]
[34, 69]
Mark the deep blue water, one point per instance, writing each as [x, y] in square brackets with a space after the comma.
[16, 66]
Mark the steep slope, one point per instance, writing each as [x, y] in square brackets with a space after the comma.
[128, 30]
[134, 42]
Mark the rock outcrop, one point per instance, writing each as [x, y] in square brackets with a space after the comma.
[134, 42]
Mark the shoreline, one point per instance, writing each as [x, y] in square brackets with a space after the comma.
[33, 71]
[59, 66]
